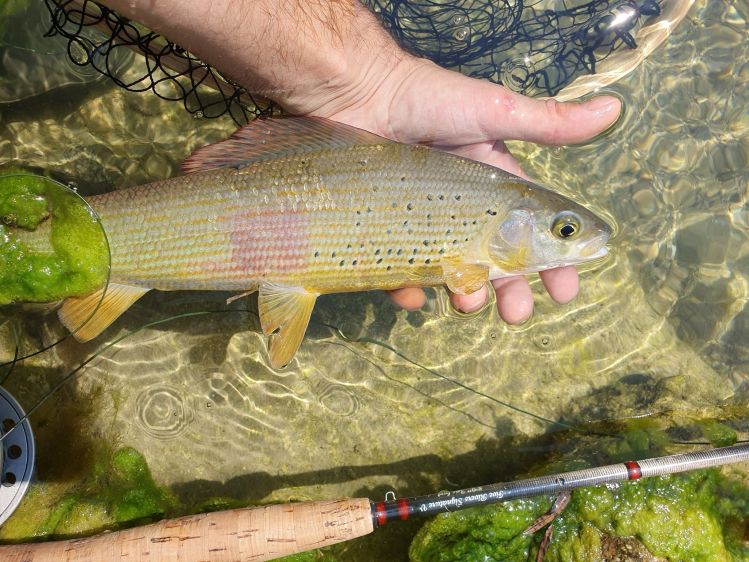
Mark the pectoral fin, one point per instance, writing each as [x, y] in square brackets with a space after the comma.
[284, 315]
[464, 278]
[247, 293]
[87, 317]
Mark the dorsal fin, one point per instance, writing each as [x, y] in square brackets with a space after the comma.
[264, 139]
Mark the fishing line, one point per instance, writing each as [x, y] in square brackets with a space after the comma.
[74, 191]
[101, 350]
[415, 389]
[337, 331]
[547, 421]
[29, 49]
[17, 338]
[464, 386]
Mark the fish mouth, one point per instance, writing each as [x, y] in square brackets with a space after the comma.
[596, 248]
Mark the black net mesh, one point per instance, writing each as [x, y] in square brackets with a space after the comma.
[99, 37]
[535, 47]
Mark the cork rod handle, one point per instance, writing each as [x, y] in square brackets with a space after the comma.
[238, 535]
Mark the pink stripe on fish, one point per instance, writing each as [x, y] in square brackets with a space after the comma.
[267, 243]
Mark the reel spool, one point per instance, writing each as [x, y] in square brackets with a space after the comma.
[18, 455]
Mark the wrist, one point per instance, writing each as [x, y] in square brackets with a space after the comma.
[310, 56]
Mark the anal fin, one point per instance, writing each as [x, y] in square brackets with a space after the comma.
[87, 317]
[464, 278]
[284, 315]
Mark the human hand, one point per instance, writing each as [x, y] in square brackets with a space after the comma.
[334, 60]
[418, 102]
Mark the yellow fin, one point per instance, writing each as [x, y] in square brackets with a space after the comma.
[247, 293]
[464, 278]
[284, 315]
[87, 317]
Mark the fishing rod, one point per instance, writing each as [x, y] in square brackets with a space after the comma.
[274, 531]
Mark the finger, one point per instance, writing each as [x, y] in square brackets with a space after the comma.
[410, 298]
[492, 153]
[562, 283]
[472, 302]
[514, 299]
[443, 106]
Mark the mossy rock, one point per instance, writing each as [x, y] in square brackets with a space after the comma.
[699, 516]
[42, 262]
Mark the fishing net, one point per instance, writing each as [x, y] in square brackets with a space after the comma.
[534, 47]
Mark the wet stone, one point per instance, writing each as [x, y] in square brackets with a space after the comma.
[705, 242]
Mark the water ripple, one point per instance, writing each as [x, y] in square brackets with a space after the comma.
[163, 412]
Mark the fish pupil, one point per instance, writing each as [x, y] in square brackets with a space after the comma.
[567, 230]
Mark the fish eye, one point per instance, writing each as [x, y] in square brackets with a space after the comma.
[565, 225]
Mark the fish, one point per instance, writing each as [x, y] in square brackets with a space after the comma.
[298, 207]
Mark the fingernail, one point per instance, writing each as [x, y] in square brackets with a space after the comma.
[603, 104]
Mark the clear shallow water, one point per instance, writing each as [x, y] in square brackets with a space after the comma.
[667, 312]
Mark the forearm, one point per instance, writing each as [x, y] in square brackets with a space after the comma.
[300, 53]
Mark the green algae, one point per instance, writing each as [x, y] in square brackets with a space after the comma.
[479, 534]
[72, 259]
[696, 516]
[119, 492]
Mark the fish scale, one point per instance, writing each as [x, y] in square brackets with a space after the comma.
[364, 217]
[300, 207]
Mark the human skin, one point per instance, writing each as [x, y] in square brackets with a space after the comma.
[331, 58]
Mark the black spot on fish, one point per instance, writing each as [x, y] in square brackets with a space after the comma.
[348, 246]
[317, 254]
[377, 252]
[354, 262]
[389, 267]
[405, 223]
[379, 260]
[332, 255]
[427, 261]
[409, 207]
[474, 222]
[442, 251]
[441, 197]
[490, 212]
[411, 260]
[400, 251]
[403, 178]
[358, 223]
[390, 251]
[415, 251]
[457, 197]
[426, 242]
[341, 263]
